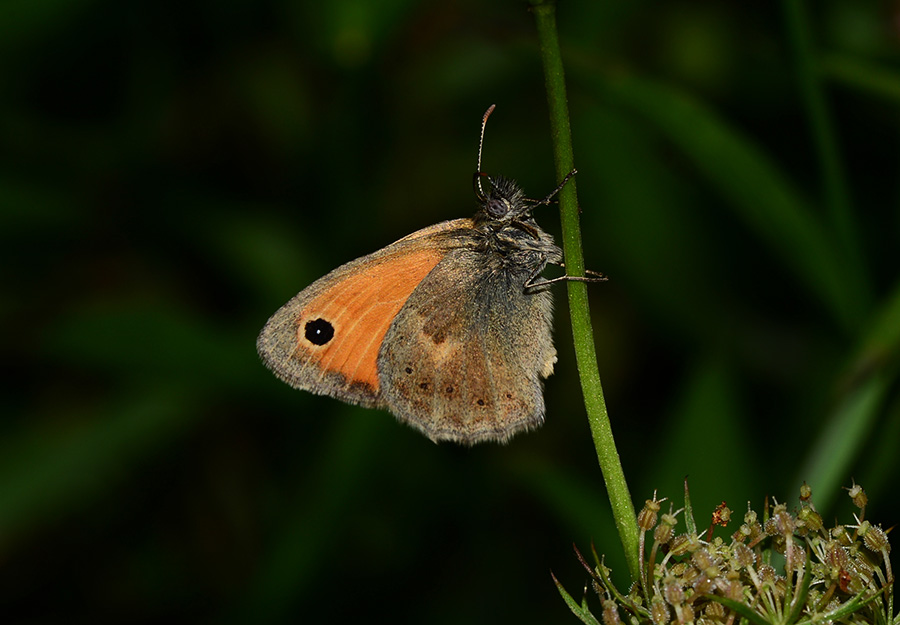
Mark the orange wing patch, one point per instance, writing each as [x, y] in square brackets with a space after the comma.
[361, 308]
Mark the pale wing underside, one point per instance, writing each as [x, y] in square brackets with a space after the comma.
[465, 357]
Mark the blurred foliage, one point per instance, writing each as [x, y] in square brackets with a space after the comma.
[173, 172]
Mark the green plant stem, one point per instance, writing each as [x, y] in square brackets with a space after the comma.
[585, 355]
[834, 186]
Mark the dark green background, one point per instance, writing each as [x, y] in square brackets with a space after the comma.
[173, 172]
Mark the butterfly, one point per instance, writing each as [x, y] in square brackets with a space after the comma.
[449, 328]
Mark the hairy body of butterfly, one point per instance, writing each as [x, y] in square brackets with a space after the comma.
[448, 328]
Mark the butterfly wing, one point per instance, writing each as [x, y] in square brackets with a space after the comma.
[465, 357]
[326, 339]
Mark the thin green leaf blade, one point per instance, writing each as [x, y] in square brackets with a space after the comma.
[754, 187]
[580, 611]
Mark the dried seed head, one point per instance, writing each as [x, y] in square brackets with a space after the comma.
[751, 527]
[810, 520]
[703, 585]
[702, 559]
[673, 592]
[756, 533]
[685, 613]
[743, 556]
[685, 543]
[693, 574]
[690, 577]
[836, 557]
[666, 529]
[679, 569]
[781, 523]
[659, 611]
[858, 495]
[797, 560]
[731, 589]
[646, 518]
[750, 518]
[714, 611]
[840, 533]
[611, 613]
[874, 538]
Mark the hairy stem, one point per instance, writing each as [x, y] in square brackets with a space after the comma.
[585, 355]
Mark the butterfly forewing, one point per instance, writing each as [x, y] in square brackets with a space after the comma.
[326, 339]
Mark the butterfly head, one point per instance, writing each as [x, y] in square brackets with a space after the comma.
[503, 201]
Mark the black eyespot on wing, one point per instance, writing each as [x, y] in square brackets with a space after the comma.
[318, 331]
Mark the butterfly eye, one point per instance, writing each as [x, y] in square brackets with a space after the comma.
[496, 208]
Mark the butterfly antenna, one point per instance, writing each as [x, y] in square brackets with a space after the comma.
[478, 173]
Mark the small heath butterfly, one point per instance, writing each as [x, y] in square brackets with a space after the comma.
[449, 328]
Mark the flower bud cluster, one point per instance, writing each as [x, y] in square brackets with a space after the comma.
[788, 564]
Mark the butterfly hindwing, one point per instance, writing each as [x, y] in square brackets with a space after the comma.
[465, 357]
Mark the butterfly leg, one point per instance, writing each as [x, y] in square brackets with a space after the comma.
[559, 187]
[536, 281]
[598, 277]
[546, 282]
